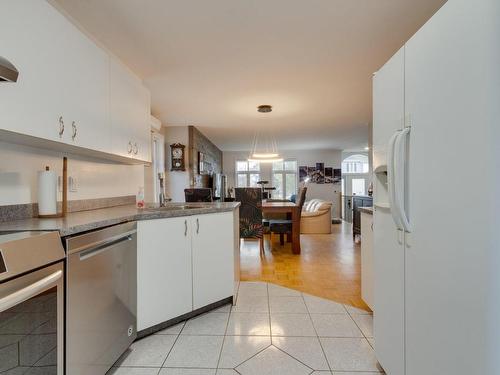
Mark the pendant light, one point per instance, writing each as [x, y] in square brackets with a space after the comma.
[264, 148]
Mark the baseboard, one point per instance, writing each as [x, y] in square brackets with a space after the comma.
[172, 322]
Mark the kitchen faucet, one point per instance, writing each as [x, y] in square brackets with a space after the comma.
[162, 198]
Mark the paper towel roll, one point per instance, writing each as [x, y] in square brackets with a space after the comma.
[47, 192]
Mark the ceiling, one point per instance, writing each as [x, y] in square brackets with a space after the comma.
[211, 63]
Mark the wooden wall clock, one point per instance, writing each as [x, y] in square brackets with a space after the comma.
[177, 157]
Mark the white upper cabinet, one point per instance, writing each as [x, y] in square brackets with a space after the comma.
[129, 113]
[87, 93]
[69, 90]
[34, 36]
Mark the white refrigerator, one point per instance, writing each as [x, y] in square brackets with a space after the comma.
[436, 152]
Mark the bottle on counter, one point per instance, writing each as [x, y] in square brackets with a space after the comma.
[139, 199]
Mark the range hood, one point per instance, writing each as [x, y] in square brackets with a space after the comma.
[8, 72]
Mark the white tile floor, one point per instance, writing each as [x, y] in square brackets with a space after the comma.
[271, 330]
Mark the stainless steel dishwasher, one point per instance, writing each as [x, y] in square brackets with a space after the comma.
[101, 301]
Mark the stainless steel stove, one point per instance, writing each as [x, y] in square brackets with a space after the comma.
[31, 303]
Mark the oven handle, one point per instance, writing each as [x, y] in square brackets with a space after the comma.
[28, 292]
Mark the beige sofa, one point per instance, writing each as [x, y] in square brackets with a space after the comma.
[316, 217]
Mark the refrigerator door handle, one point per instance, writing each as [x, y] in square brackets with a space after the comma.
[391, 179]
[399, 178]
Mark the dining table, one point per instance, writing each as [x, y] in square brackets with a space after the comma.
[286, 207]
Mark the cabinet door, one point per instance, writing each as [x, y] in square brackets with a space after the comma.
[129, 113]
[34, 35]
[88, 83]
[142, 130]
[213, 258]
[62, 73]
[164, 278]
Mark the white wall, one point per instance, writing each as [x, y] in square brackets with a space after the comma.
[176, 181]
[331, 158]
[95, 178]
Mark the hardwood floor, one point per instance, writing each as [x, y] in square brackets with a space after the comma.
[329, 265]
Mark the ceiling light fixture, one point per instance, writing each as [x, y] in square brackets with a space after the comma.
[264, 148]
[264, 108]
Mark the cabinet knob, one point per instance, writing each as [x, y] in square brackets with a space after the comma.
[185, 228]
[129, 147]
[136, 148]
[61, 126]
[197, 226]
[73, 136]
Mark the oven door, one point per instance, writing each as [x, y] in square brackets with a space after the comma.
[32, 323]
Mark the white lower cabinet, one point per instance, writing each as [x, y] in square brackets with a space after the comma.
[164, 281]
[183, 264]
[213, 265]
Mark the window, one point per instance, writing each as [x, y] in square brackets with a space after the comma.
[247, 173]
[355, 164]
[358, 186]
[284, 179]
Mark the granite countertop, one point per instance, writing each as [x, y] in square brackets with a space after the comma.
[77, 222]
[366, 210]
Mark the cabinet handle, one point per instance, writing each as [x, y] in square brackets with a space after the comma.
[129, 147]
[61, 127]
[136, 148]
[197, 225]
[185, 228]
[73, 136]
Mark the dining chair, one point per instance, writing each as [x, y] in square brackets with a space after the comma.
[198, 195]
[251, 214]
[283, 227]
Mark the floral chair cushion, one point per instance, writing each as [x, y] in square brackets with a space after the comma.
[250, 212]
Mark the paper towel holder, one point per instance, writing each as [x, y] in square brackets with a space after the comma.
[64, 193]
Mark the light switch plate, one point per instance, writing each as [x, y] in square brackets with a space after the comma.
[72, 184]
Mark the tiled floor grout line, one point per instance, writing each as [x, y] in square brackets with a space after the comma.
[225, 334]
[366, 338]
[317, 336]
[248, 359]
[171, 348]
[268, 296]
[269, 313]
[260, 351]
[291, 356]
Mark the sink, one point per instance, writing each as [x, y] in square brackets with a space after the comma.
[175, 207]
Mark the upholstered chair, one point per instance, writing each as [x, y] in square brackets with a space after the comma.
[198, 195]
[283, 227]
[251, 214]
